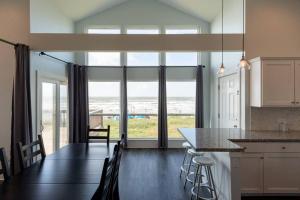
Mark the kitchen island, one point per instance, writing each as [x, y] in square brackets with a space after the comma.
[250, 162]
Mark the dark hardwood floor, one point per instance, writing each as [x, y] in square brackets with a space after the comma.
[151, 174]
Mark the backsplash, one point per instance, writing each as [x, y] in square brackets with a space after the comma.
[269, 118]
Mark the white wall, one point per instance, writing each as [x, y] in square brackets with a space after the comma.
[47, 18]
[141, 12]
[232, 24]
[14, 15]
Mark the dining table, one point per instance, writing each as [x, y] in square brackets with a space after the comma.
[72, 172]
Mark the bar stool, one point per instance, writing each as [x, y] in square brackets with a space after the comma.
[202, 190]
[185, 164]
[189, 173]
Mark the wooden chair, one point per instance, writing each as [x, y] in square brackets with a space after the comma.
[108, 188]
[4, 165]
[98, 137]
[27, 152]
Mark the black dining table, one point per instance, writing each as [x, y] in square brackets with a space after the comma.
[72, 172]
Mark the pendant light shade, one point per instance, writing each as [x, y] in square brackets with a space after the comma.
[222, 67]
[244, 64]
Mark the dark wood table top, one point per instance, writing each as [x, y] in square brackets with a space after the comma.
[72, 172]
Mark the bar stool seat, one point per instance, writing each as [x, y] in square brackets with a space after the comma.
[193, 152]
[186, 145]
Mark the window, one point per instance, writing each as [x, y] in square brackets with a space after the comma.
[143, 59]
[104, 31]
[142, 31]
[104, 59]
[180, 106]
[181, 58]
[182, 31]
[142, 109]
[104, 106]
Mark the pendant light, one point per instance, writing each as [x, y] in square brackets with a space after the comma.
[244, 64]
[222, 68]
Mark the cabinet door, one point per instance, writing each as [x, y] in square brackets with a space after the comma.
[297, 83]
[281, 172]
[278, 83]
[251, 173]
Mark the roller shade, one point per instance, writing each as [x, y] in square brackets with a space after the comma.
[104, 74]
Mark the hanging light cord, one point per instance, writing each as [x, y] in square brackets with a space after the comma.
[222, 31]
[243, 29]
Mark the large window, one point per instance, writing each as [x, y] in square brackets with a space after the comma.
[104, 106]
[180, 106]
[142, 109]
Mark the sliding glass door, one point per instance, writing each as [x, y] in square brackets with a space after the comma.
[53, 114]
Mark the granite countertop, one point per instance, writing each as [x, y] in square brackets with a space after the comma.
[222, 139]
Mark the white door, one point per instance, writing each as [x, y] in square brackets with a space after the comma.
[229, 101]
[53, 114]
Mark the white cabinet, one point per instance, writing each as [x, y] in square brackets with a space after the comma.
[251, 165]
[274, 82]
[270, 168]
[281, 173]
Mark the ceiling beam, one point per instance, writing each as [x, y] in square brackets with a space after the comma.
[91, 42]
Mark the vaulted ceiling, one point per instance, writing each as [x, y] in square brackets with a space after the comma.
[79, 9]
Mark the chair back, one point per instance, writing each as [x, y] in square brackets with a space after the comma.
[108, 188]
[4, 170]
[27, 152]
[99, 137]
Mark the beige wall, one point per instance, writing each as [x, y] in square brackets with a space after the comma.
[14, 15]
[273, 29]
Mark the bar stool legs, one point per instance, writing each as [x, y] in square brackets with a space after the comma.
[184, 164]
[202, 190]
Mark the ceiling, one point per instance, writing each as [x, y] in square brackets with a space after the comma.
[79, 9]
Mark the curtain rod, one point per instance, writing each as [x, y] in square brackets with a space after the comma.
[7, 42]
[44, 54]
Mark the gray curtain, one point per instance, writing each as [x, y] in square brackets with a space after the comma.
[199, 98]
[78, 103]
[124, 113]
[162, 110]
[21, 122]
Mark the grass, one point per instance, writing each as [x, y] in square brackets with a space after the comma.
[147, 127]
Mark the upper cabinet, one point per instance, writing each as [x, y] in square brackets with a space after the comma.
[275, 82]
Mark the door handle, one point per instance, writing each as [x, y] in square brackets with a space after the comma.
[235, 126]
